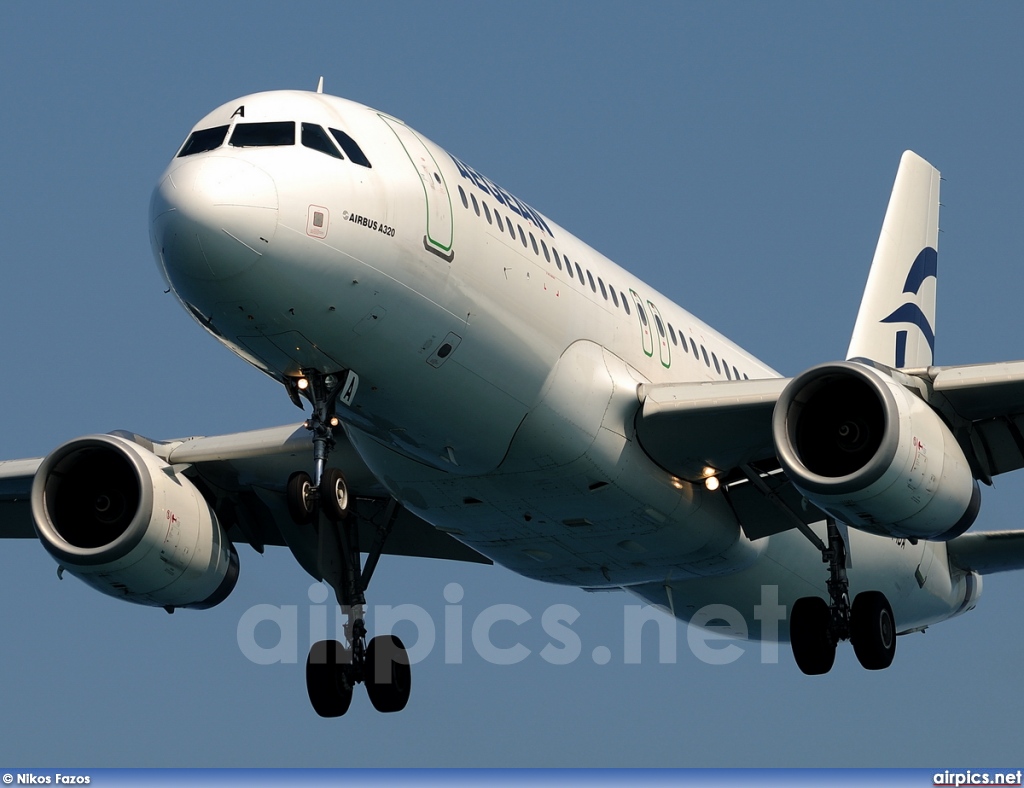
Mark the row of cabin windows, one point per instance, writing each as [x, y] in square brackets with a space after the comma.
[276, 134]
[608, 292]
[481, 208]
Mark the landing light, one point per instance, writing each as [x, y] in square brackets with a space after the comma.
[302, 383]
[335, 421]
[709, 471]
[712, 483]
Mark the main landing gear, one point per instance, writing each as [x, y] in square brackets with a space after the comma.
[332, 669]
[816, 626]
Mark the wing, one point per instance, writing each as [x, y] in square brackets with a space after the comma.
[243, 476]
[15, 487]
[727, 426]
[984, 403]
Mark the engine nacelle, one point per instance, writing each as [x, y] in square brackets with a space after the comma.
[873, 454]
[118, 517]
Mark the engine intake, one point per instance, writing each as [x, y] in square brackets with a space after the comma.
[118, 517]
[873, 454]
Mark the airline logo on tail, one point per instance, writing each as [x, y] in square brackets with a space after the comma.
[925, 265]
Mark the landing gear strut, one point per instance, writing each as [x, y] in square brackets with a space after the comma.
[816, 626]
[332, 670]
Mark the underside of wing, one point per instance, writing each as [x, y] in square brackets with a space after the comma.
[243, 477]
[15, 487]
[984, 404]
[688, 427]
[724, 429]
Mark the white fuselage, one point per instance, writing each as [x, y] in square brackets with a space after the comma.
[498, 358]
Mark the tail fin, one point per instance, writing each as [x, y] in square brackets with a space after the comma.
[896, 321]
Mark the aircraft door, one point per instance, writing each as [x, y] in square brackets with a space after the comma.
[645, 324]
[439, 232]
[662, 337]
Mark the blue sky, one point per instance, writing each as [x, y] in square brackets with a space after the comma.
[736, 155]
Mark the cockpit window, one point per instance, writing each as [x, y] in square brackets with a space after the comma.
[315, 137]
[203, 140]
[258, 135]
[353, 151]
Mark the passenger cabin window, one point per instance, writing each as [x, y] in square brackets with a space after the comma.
[465, 202]
[487, 211]
[315, 137]
[203, 140]
[352, 150]
[263, 135]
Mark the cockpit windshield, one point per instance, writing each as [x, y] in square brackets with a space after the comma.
[276, 134]
[203, 140]
[315, 137]
[259, 135]
[352, 150]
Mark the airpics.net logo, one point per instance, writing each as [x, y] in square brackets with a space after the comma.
[282, 634]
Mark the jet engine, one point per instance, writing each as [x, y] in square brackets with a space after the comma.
[870, 452]
[118, 517]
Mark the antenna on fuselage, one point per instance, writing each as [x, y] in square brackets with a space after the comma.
[320, 85]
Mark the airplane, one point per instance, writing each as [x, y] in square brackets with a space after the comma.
[483, 386]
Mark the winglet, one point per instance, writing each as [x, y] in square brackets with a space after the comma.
[896, 322]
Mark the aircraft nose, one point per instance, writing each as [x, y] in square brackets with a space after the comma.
[212, 218]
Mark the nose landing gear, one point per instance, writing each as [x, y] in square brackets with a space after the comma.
[332, 670]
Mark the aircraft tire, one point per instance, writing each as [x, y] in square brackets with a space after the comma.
[334, 498]
[813, 647]
[328, 679]
[873, 630]
[301, 500]
[388, 674]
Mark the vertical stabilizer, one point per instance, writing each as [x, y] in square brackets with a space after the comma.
[896, 321]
